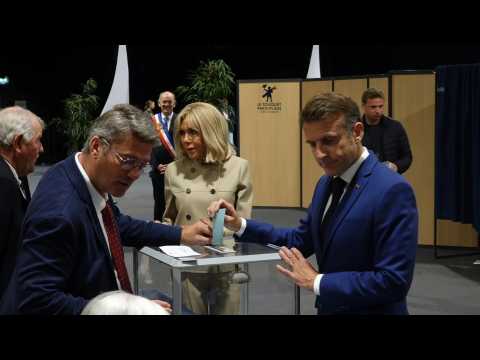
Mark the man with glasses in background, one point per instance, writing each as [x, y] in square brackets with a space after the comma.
[73, 235]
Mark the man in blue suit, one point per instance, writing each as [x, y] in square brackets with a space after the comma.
[73, 233]
[362, 223]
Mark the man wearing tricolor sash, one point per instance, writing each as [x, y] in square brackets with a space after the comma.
[163, 123]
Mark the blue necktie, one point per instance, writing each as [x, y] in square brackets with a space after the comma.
[167, 131]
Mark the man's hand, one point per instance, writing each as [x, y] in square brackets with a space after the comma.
[232, 220]
[302, 272]
[391, 166]
[165, 305]
[161, 168]
[196, 234]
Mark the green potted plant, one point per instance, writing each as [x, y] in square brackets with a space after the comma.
[213, 81]
[80, 110]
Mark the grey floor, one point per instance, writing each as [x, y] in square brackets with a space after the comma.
[440, 287]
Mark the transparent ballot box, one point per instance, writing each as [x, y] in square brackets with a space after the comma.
[242, 254]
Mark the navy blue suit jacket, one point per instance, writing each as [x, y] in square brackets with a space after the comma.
[369, 253]
[64, 261]
[12, 210]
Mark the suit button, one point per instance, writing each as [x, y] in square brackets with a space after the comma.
[213, 192]
[189, 191]
[189, 217]
[193, 170]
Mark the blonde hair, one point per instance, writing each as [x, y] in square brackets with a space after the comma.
[213, 128]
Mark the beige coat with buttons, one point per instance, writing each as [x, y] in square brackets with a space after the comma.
[190, 187]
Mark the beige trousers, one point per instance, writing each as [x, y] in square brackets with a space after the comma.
[210, 293]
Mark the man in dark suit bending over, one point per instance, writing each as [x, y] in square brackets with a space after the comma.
[73, 233]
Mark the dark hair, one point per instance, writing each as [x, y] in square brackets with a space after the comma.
[372, 93]
[325, 106]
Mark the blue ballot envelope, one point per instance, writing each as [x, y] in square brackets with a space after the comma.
[218, 225]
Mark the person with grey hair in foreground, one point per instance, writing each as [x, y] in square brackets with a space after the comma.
[73, 234]
[20, 146]
[122, 303]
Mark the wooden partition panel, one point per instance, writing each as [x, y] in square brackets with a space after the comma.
[381, 83]
[451, 233]
[353, 88]
[414, 105]
[311, 171]
[413, 99]
[270, 140]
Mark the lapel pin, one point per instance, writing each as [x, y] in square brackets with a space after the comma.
[357, 186]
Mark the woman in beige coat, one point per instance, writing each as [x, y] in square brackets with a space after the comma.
[206, 169]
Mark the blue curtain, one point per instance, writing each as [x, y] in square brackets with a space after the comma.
[457, 173]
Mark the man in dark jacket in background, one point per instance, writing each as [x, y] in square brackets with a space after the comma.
[384, 136]
[20, 146]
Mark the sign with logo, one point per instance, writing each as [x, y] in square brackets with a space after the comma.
[267, 103]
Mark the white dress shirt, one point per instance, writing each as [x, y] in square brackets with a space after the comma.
[164, 119]
[99, 202]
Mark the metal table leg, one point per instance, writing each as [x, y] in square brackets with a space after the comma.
[135, 271]
[177, 291]
[296, 302]
[244, 294]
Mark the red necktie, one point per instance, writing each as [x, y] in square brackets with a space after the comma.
[116, 248]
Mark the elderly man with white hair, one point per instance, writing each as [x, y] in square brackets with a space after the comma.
[20, 146]
[122, 303]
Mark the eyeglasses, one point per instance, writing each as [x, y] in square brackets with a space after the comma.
[130, 163]
[126, 162]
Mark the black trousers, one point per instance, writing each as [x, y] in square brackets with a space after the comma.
[158, 183]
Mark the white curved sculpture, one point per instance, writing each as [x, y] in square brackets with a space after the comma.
[119, 94]
[314, 68]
